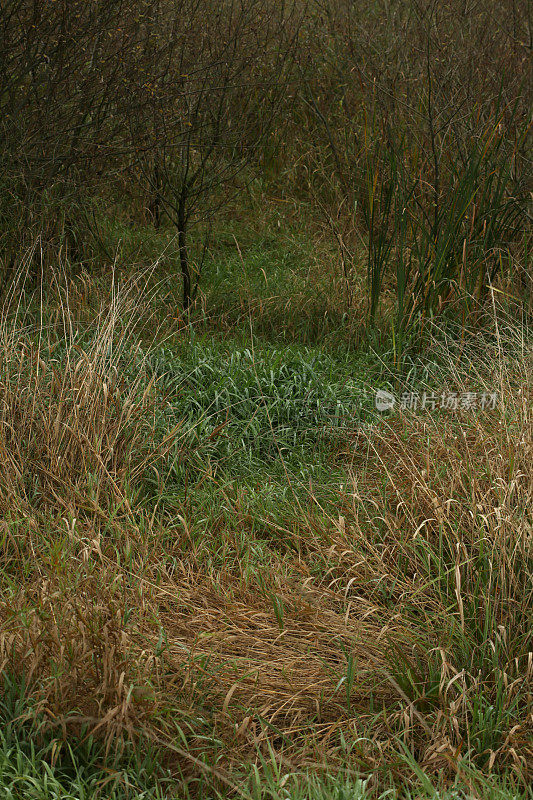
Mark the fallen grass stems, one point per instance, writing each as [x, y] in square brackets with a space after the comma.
[389, 638]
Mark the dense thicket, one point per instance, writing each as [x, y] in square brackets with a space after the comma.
[404, 122]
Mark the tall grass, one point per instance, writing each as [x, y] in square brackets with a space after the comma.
[386, 634]
[441, 245]
[73, 429]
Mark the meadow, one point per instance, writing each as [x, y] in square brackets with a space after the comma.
[227, 570]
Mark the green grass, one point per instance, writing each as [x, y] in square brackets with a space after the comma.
[283, 495]
[38, 763]
[257, 404]
[271, 785]
[223, 574]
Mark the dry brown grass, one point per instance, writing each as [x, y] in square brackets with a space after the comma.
[426, 591]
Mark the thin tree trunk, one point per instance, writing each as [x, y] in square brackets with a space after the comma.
[155, 205]
[184, 253]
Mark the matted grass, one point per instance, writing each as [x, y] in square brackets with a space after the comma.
[377, 626]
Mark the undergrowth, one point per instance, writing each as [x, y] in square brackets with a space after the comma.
[328, 591]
